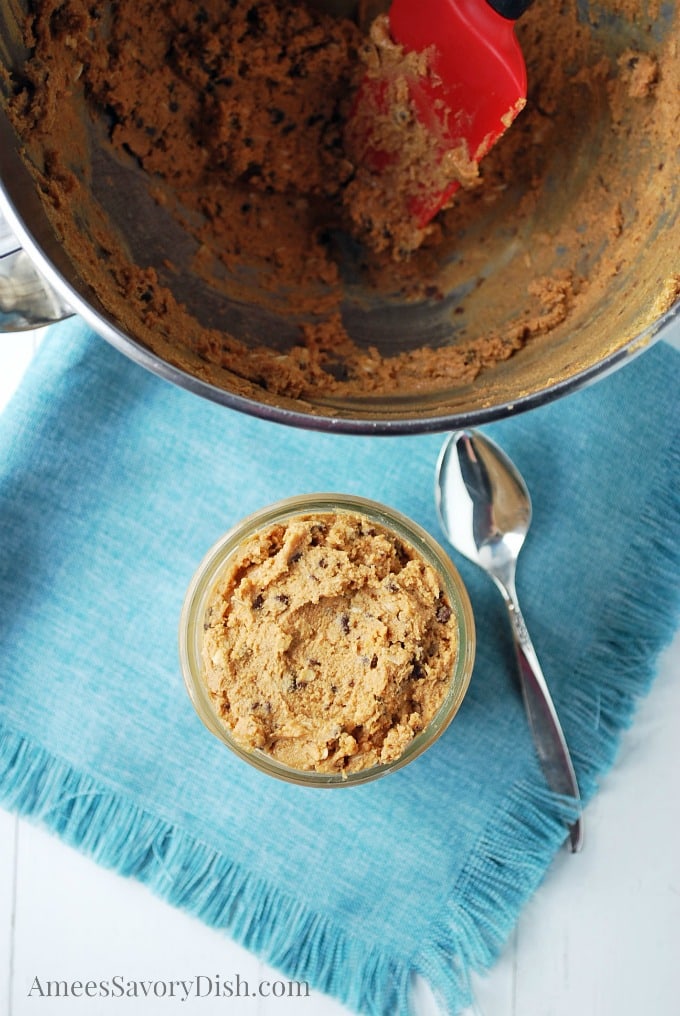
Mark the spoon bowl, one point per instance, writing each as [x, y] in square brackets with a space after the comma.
[484, 509]
[487, 497]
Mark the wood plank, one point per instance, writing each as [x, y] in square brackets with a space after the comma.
[8, 846]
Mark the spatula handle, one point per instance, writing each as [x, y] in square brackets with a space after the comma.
[510, 9]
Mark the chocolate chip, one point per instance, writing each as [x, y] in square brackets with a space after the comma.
[257, 602]
[418, 671]
[296, 684]
[443, 613]
[344, 623]
[402, 553]
[319, 529]
[374, 661]
[253, 18]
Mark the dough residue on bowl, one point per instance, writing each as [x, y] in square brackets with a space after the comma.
[235, 118]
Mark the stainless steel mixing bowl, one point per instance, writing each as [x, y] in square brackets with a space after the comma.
[40, 281]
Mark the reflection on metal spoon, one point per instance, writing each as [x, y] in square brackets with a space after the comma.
[485, 510]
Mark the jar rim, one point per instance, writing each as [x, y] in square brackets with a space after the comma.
[212, 566]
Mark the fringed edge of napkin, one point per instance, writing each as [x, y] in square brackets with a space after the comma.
[188, 874]
[613, 675]
[474, 923]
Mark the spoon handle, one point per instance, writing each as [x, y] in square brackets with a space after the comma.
[549, 739]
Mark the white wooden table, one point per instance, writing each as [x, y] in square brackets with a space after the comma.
[601, 937]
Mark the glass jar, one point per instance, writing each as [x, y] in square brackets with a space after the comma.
[216, 562]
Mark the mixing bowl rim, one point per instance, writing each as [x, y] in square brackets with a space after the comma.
[379, 426]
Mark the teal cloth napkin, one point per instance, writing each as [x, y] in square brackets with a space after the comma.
[113, 484]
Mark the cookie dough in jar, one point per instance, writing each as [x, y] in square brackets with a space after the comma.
[327, 640]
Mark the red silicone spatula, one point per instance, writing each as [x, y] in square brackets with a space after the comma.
[474, 86]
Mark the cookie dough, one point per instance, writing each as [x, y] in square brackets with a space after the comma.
[329, 643]
[230, 120]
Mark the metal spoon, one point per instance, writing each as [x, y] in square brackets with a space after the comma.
[485, 511]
